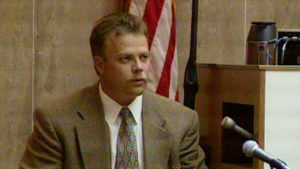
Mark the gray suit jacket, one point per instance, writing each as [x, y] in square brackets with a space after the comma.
[71, 133]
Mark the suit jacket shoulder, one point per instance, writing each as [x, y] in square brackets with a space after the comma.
[54, 140]
[170, 110]
[183, 125]
[65, 109]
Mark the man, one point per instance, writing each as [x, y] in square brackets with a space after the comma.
[116, 123]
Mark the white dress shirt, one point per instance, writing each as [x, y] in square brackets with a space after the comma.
[111, 111]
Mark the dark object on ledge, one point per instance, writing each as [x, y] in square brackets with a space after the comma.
[261, 43]
[290, 54]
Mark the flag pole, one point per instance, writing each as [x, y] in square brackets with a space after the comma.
[190, 75]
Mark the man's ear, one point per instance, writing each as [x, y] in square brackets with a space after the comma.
[98, 64]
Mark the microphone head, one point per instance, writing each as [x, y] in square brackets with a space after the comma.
[227, 123]
[249, 147]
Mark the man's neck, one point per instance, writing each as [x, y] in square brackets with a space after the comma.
[123, 100]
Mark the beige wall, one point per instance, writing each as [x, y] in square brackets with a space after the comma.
[15, 78]
[44, 53]
[44, 50]
[63, 62]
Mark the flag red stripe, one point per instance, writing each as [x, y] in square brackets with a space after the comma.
[165, 79]
[152, 14]
[129, 4]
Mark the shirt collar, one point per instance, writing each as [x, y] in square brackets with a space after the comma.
[112, 108]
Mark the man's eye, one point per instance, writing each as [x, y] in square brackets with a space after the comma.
[144, 57]
[125, 59]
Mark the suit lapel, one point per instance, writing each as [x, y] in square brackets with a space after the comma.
[94, 138]
[93, 132]
[157, 143]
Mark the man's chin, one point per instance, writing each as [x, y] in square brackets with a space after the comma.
[137, 91]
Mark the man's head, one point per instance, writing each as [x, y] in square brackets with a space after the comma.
[121, 55]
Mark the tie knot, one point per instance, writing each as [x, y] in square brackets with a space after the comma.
[127, 116]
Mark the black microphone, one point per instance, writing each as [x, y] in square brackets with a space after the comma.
[228, 123]
[251, 149]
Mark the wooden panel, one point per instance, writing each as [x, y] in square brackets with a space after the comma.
[63, 61]
[260, 118]
[218, 85]
[204, 99]
[15, 79]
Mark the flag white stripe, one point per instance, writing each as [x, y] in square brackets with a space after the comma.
[137, 7]
[160, 44]
[174, 76]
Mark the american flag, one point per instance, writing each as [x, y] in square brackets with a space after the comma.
[160, 17]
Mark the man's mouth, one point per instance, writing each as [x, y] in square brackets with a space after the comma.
[139, 81]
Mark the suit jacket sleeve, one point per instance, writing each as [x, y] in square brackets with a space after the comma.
[43, 149]
[191, 155]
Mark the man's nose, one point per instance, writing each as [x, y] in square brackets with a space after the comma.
[138, 66]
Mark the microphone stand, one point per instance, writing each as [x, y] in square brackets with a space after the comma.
[275, 165]
[190, 75]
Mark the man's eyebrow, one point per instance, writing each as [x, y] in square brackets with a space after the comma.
[148, 53]
[129, 53]
[123, 54]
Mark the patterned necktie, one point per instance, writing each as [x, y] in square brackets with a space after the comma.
[127, 154]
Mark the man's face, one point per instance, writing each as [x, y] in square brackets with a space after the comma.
[123, 69]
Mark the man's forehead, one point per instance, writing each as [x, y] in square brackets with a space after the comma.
[126, 43]
[117, 34]
[114, 38]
